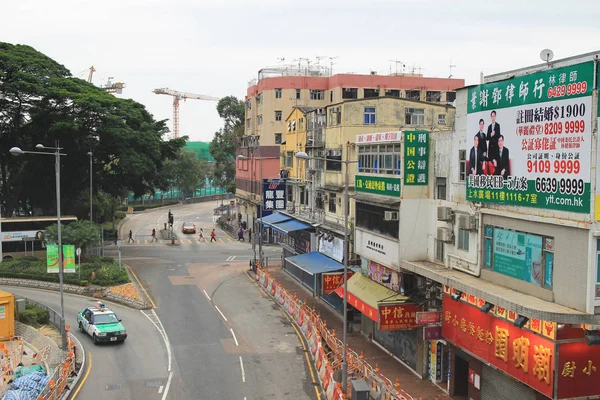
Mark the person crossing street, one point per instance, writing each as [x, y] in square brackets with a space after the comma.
[213, 235]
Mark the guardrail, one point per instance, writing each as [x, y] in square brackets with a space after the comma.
[53, 317]
[320, 339]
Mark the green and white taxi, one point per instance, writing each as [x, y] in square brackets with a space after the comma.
[101, 324]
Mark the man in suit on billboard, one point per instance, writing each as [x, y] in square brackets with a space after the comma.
[501, 162]
[482, 138]
[493, 132]
[476, 158]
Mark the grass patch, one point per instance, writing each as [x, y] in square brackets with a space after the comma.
[101, 271]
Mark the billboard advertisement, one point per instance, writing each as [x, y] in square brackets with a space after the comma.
[529, 140]
[274, 195]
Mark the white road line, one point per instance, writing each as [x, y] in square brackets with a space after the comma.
[206, 294]
[222, 315]
[242, 367]
[168, 385]
[234, 338]
[163, 333]
[160, 389]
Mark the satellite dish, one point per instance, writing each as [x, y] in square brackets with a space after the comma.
[547, 55]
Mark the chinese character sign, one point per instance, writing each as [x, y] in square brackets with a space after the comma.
[397, 316]
[529, 140]
[274, 195]
[524, 355]
[379, 137]
[578, 370]
[416, 158]
[518, 255]
[377, 185]
[333, 280]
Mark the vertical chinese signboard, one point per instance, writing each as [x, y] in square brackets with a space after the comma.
[578, 370]
[393, 317]
[69, 259]
[416, 158]
[529, 140]
[274, 195]
[52, 258]
[377, 185]
[524, 355]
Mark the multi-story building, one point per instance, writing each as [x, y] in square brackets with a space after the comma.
[272, 96]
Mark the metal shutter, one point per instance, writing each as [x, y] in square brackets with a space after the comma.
[496, 385]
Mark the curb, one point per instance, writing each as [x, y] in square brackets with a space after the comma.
[148, 303]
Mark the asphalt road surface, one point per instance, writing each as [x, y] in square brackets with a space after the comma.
[228, 340]
[135, 369]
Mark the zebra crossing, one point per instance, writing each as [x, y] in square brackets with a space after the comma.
[181, 241]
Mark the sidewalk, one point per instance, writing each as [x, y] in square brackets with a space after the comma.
[388, 366]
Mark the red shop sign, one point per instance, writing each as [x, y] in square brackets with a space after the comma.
[578, 370]
[428, 317]
[397, 316]
[333, 280]
[520, 353]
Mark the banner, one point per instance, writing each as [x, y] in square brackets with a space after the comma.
[52, 258]
[529, 140]
[69, 265]
[274, 195]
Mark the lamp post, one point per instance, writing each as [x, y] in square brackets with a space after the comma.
[303, 156]
[16, 151]
[89, 153]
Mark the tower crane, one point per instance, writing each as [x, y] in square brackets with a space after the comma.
[181, 96]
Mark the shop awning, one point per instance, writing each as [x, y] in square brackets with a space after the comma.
[274, 218]
[315, 263]
[290, 226]
[366, 295]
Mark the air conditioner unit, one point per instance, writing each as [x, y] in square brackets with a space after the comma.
[467, 222]
[441, 121]
[390, 216]
[445, 214]
[445, 235]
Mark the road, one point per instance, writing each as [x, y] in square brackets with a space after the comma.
[229, 341]
[135, 369]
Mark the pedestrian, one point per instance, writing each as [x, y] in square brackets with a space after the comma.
[130, 237]
[213, 235]
[201, 237]
[241, 234]
[154, 235]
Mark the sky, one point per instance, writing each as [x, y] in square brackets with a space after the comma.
[216, 47]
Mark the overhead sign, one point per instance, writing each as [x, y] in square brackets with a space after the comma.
[416, 158]
[274, 195]
[397, 316]
[333, 280]
[578, 370]
[429, 317]
[529, 140]
[380, 137]
[376, 248]
[524, 355]
[377, 185]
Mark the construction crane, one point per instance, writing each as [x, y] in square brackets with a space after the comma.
[92, 70]
[110, 87]
[181, 96]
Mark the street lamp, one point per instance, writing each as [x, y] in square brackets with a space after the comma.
[16, 151]
[260, 229]
[303, 156]
[89, 153]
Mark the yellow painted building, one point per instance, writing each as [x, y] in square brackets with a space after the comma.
[293, 141]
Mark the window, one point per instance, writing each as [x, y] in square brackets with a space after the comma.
[371, 218]
[289, 159]
[332, 202]
[331, 96]
[349, 93]
[335, 116]
[339, 115]
[392, 92]
[248, 122]
[301, 123]
[319, 203]
[462, 165]
[537, 268]
[278, 115]
[440, 188]
[368, 93]
[317, 94]
[379, 159]
[413, 94]
[441, 119]
[334, 160]
[259, 98]
[369, 115]
[260, 119]
[439, 250]
[298, 93]
[597, 268]
[278, 138]
[415, 116]
[450, 97]
[278, 93]
[434, 97]
[248, 105]
[463, 239]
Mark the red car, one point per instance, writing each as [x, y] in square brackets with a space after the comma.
[188, 227]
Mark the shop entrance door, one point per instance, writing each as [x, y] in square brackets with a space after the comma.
[461, 377]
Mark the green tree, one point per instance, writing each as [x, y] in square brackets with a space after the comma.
[40, 103]
[186, 172]
[226, 141]
[81, 233]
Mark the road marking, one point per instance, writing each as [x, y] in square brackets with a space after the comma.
[138, 242]
[229, 240]
[242, 367]
[141, 286]
[230, 258]
[87, 373]
[161, 329]
[234, 338]
[221, 240]
[180, 241]
[222, 315]
[189, 241]
[206, 294]
[160, 389]
[168, 386]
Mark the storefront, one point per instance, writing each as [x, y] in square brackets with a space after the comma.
[332, 247]
[308, 269]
